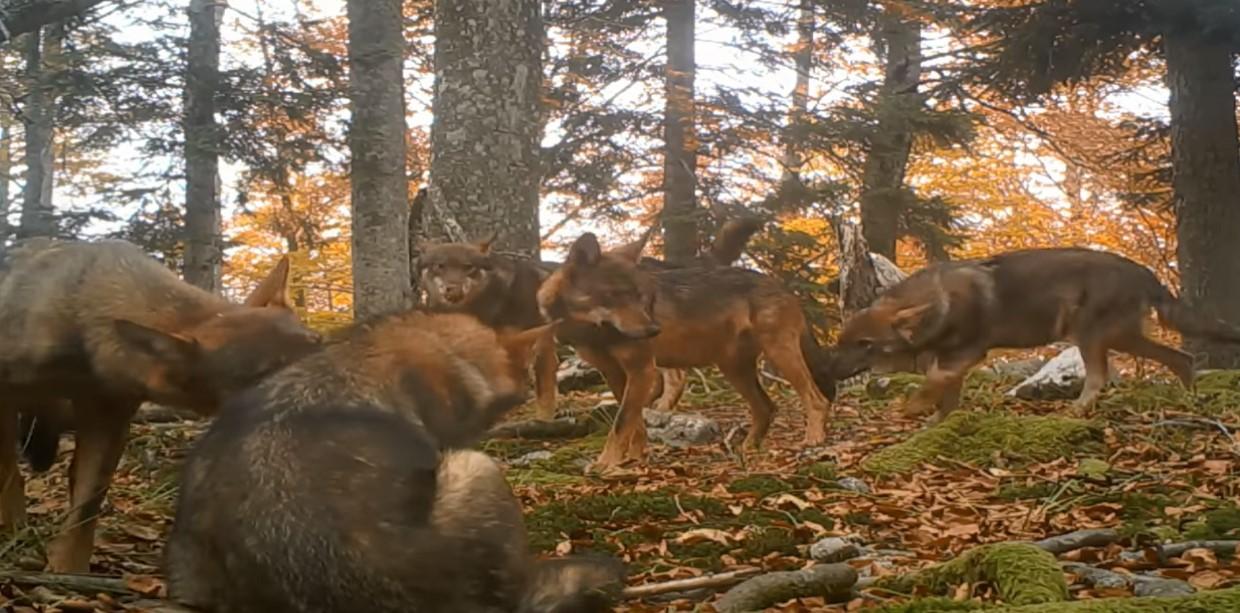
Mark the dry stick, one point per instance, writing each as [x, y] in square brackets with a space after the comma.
[538, 429]
[715, 581]
[1227, 547]
[1072, 541]
[82, 583]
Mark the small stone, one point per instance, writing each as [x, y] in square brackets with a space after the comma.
[833, 549]
[682, 429]
[853, 484]
[531, 457]
[1144, 585]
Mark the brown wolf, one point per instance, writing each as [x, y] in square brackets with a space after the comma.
[498, 289]
[624, 320]
[340, 484]
[90, 330]
[958, 311]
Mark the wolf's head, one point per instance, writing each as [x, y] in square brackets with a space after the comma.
[879, 336]
[195, 367]
[602, 288]
[456, 275]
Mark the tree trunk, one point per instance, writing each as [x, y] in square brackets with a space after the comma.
[377, 147]
[1205, 151]
[42, 56]
[680, 209]
[22, 16]
[887, 160]
[803, 57]
[203, 241]
[6, 171]
[487, 129]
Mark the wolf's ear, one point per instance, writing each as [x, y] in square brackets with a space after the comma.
[166, 348]
[585, 251]
[484, 245]
[272, 291]
[633, 250]
[906, 321]
[519, 345]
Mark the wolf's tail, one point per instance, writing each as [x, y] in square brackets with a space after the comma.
[40, 436]
[733, 235]
[1174, 313]
[820, 364]
[578, 584]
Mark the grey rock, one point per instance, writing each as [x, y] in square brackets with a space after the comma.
[530, 458]
[575, 375]
[681, 429]
[1059, 379]
[1097, 577]
[834, 549]
[853, 484]
[1144, 585]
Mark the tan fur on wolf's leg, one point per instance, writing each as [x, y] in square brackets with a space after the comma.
[546, 367]
[1178, 362]
[1094, 354]
[944, 381]
[950, 399]
[617, 448]
[674, 380]
[12, 487]
[742, 372]
[785, 355]
[101, 431]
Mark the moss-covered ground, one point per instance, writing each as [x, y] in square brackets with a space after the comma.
[1150, 459]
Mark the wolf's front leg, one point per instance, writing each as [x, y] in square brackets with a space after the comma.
[12, 488]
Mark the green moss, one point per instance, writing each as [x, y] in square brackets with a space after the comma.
[976, 437]
[893, 386]
[822, 471]
[1038, 490]
[575, 517]
[539, 476]
[1217, 394]
[1220, 523]
[762, 485]
[931, 605]
[1021, 574]
[1218, 601]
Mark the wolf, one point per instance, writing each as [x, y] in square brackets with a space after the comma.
[624, 320]
[502, 292]
[344, 482]
[91, 330]
[959, 311]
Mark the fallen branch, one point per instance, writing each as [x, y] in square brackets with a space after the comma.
[540, 429]
[1173, 550]
[716, 581]
[81, 583]
[831, 581]
[1072, 541]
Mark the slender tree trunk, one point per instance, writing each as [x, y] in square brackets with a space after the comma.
[380, 201]
[882, 191]
[22, 16]
[803, 57]
[6, 172]
[1205, 152]
[203, 241]
[487, 130]
[680, 209]
[42, 56]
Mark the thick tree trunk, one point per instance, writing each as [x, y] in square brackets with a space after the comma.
[1205, 153]
[887, 160]
[680, 209]
[377, 146]
[487, 130]
[22, 16]
[42, 57]
[803, 57]
[203, 240]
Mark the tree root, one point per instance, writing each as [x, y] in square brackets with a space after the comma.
[832, 581]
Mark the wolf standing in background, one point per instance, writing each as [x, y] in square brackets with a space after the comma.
[339, 484]
[89, 331]
[959, 311]
[624, 320]
[499, 290]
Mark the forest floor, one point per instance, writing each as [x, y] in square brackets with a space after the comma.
[1150, 460]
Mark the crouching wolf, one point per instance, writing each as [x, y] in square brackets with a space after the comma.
[958, 311]
[89, 331]
[624, 320]
[340, 484]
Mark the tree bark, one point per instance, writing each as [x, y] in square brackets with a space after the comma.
[487, 130]
[23, 16]
[680, 208]
[887, 160]
[1205, 151]
[6, 171]
[203, 241]
[42, 57]
[380, 201]
[803, 58]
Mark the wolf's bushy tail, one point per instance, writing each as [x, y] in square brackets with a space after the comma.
[820, 363]
[733, 235]
[1173, 312]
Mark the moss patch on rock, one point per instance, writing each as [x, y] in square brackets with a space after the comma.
[1217, 394]
[1218, 601]
[1021, 573]
[976, 437]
